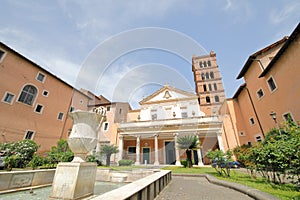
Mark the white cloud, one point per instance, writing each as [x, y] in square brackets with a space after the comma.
[100, 19]
[285, 13]
[240, 11]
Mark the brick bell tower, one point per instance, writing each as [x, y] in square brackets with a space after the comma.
[208, 82]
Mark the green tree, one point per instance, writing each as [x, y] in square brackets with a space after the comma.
[108, 150]
[188, 143]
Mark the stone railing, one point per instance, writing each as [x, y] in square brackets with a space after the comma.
[122, 176]
[146, 188]
[19, 180]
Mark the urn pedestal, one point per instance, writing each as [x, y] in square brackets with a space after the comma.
[76, 179]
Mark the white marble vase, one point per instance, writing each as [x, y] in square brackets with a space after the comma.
[83, 137]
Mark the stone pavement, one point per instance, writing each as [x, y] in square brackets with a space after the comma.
[188, 187]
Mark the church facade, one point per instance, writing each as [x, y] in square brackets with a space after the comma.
[150, 134]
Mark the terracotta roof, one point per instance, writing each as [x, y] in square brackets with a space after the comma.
[293, 37]
[253, 56]
[237, 93]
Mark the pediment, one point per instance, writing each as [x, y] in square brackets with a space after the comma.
[167, 93]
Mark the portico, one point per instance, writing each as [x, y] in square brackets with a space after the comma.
[150, 134]
[160, 138]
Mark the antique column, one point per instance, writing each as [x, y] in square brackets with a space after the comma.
[121, 143]
[200, 163]
[178, 163]
[137, 162]
[156, 162]
[220, 141]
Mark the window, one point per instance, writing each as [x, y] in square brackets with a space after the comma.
[29, 135]
[72, 109]
[249, 143]
[108, 108]
[212, 76]
[204, 63]
[215, 86]
[120, 111]
[2, 53]
[154, 116]
[184, 115]
[131, 150]
[217, 99]
[208, 63]
[271, 84]
[288, 117]
[209, 87]
[105, 126]
[60, 116]
[81, 101]
[252, 121]
[45, 93]
[207, 75]
[258, 138]
[200, 64]
[8, 98]
[40, 77]
[39, 108]
[207, 99]
[260, 93]
[28, 95]
[203, 76]
[242, 133]
[204, 88]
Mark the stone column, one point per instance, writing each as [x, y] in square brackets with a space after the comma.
[156, 162]
[120, 148]
[220, 141]
[200, 163]
[178, 163]
[137, 162]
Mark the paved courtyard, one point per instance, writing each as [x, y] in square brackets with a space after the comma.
[186, 188]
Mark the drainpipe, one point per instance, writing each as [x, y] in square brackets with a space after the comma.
[226, 137]
[260, 126]
[232, 125]
[66, 117]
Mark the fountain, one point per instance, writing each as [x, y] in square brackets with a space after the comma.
[76, 179]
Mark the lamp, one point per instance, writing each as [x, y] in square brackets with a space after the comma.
[273, 115]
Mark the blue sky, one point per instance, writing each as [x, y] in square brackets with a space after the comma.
[65, 36]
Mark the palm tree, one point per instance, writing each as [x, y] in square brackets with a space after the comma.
[108, 150]
[188, 143]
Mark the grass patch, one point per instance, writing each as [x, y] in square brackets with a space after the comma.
[284, 192]
[193, 170]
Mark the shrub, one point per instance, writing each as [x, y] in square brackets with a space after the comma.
[125, 162]
[36, 161]
[59, 153]
[183, 162]
[19, 154]
[94, 158]
[220, 161]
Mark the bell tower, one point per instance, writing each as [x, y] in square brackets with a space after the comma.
[208, 83]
